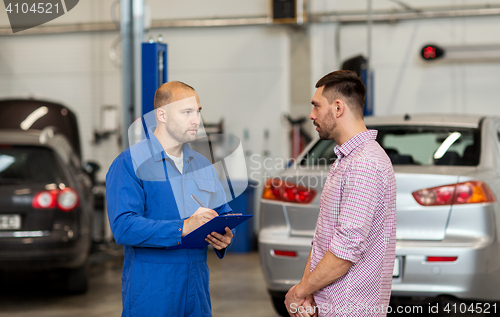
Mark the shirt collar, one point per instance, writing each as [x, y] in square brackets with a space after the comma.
[158, 152]
[349, 146]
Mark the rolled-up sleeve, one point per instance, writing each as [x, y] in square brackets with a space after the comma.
[125, 200]
[361, 197]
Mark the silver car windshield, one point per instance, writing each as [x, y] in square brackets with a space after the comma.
[414, 145]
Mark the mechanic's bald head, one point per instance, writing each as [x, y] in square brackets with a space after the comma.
[173, 91]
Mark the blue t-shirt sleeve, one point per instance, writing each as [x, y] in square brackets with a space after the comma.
[125, 200]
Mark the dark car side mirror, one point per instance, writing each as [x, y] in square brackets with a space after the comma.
[91, 169]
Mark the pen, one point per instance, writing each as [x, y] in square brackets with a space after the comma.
[197, 201]
[202, 205]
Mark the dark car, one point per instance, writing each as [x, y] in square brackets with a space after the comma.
[46, 200]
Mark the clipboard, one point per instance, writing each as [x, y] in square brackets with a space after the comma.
[196, 238]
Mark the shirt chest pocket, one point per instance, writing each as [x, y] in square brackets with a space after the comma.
[206, 188]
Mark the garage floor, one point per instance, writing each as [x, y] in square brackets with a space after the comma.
[236, 282]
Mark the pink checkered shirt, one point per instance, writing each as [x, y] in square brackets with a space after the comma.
[357, 222]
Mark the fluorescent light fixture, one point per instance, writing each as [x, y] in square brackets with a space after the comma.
[32, 117]
[446, 145]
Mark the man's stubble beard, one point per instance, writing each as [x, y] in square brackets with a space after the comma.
[328, 127]
[181, 137]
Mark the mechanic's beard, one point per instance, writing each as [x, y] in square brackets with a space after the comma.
[181, 137]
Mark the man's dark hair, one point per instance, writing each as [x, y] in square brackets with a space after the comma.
[164, 95]
[348, 85]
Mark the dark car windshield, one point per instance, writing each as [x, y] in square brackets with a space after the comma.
[414, 145]
[29, 164]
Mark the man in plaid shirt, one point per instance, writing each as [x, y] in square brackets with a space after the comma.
[349, 270]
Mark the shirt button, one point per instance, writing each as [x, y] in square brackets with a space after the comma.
[178, 243]
[180, 229]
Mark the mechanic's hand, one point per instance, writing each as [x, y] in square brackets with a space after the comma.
[220, 241]
[201, 216]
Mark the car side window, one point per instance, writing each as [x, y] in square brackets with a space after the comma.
[321, 154]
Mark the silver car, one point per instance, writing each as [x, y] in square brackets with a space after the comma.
[448, 212]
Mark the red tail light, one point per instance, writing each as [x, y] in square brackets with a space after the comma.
[462, 193]
[66, 199]
[442, 258]
[276, 189]
[45, 199]
[291, 254]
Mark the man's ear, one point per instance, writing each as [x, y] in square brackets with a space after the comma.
[161, 115]
[338, 107]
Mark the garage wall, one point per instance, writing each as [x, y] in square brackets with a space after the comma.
[73, 69]
[319, 6]
[190, 9]
[252, 75]
[241, 74]
[403, 81]
[406, 83]
[105, 10]
[68, 68]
